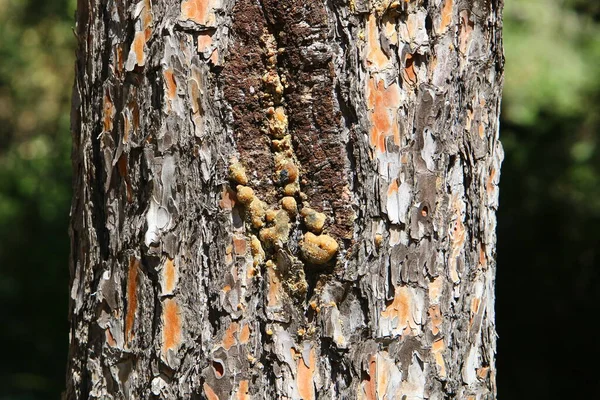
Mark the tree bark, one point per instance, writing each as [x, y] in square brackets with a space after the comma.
[285, 199]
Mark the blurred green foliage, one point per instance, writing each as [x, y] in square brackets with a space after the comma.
[548, 244]
[36, 75]
[548, 276]
[553, 80]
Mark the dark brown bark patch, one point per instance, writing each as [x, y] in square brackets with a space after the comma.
[304, 61]
[242, 88]
[301, 30]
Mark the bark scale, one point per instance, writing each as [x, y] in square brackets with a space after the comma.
[283, 199]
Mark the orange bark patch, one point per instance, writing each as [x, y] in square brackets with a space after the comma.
[126, 128]
[170, 275]
[122, 165]
[228, 258]
[227, 199]
[240, 245]
[482, 372]
[458, 236]
[204, 41]
[375, 56]
[132, 300]
[409, 70]
[209, 392]
[490, 182]
[435, 290]
[147, 19]
[437, 349]
[433, 61]
[119, 58]
[482, 257]
[304, 380]
[195, 10]
[109, 338]
[245, 334]
[135, 111]
[469, 119]
[229, 336]
[242, 393]
[384, 377]
[138, 48]
[370, 385]
[274, 288]
[446, 16]
[475, 303]
[383, 104]
[171, 325]
[400, 310]
[122, 168]
[466, 28]
[389, 28]
[109, 112]
[170, 82]
[393, 187]
[436, 319]
[214, 57]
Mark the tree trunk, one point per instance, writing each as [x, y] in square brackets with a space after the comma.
[285, 199]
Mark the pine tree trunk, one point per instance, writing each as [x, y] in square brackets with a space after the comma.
[285, 199]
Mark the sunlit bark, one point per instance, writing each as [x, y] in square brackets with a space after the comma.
[285, 199]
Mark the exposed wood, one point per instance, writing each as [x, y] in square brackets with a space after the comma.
[283, 199]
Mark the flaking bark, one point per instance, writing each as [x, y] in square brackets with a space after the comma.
[284, 199]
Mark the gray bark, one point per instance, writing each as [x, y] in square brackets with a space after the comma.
[285, 199]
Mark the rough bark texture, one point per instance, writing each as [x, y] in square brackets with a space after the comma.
[285, 199]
